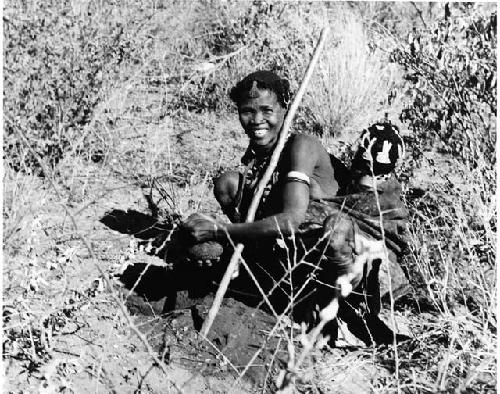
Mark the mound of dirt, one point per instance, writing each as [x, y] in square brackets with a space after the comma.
[237, 337]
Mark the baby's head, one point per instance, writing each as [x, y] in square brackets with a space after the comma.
[379, 150]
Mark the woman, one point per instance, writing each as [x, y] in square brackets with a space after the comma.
[304, 172]
[290, 205]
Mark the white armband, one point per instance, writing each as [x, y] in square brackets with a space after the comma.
[297, 176]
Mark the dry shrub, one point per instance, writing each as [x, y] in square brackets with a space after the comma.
[453, 268]
[455, 251]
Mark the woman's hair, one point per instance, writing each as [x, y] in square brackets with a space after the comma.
[264, 80]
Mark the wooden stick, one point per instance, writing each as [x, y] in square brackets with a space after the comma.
[235, 258]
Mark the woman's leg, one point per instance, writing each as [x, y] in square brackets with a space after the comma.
[226, 192]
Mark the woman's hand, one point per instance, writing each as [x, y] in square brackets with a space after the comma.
[200, 228]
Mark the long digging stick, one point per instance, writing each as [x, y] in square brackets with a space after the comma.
[235, 258]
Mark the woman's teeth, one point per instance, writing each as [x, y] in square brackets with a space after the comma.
[260, 133]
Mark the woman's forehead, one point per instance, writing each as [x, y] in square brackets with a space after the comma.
[258, 96]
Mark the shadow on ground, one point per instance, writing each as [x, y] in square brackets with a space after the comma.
[135, 223]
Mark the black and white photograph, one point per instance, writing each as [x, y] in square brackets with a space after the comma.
[249, 196]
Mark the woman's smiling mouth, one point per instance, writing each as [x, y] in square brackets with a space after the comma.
[259, 133]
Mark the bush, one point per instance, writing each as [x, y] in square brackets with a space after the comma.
[59, 62]
[452, 72]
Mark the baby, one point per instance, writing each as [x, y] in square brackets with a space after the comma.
[364, 232]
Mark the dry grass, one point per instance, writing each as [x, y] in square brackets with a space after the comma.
[353, 82]
[454, 251]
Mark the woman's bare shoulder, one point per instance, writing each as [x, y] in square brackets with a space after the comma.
[307, 142]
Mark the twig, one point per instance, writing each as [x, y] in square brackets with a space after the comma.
[269, 368]
[274, 329]
[233, 263]
[389, 278]
[419, 11]
[286, 380]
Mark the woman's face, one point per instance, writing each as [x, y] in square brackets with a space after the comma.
[261, 117]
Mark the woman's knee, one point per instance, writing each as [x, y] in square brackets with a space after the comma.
[226, 187]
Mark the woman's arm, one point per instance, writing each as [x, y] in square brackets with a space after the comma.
[304, 153]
